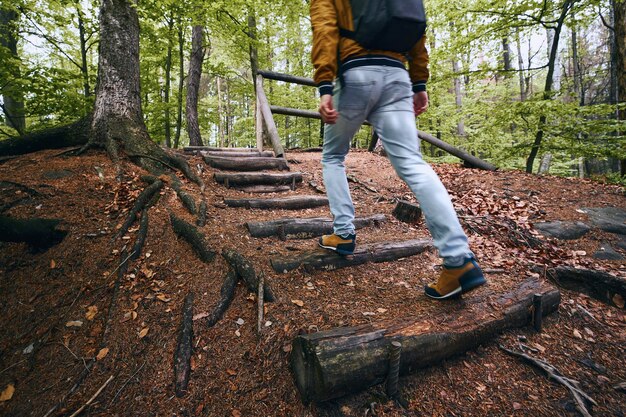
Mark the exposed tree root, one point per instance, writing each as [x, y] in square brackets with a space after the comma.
[142, 201]
[191, 234]
[580, 397]
[184, 197]
[201, 221]
[184, 349]
[227, 293]
[25, 192]
[141, 235]
[245, 270]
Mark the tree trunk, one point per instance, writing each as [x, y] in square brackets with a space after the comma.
[181, 81]
[506, 54]
[460, 126]
[12, 96]
[220, 117]
[578, 82]
[193, 85]
[549, 83]
[520, 65]
[619, 25]
[166, 90]
[84, 68]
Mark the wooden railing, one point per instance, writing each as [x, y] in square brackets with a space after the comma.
[265, 111]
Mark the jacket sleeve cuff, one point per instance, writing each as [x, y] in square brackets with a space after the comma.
[325, 87]
[419, 86]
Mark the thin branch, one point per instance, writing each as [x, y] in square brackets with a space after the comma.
[604, 22]
[52, 41]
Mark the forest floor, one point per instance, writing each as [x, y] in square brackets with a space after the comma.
[54, 304]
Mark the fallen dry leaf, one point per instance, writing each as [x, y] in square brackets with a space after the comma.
[74, 323]
[7, 393]
[91, 312]
[200, 316]
[231, 372]
[143, 332]
[299, 303]
[619, 301]
[53, 264]
[102, 354]
[577, 334]
[164, 298]
[236, 413]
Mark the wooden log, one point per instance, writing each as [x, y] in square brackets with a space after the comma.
[609, 289]
[371, 252]
[184, 349]
[39, 234]
[471, 159]
[194, 149]
[341, 361]
[245, 270]
[257, 178]
[305, 228]
[191, 234]
[227, 293]
[271, 75]
[247, 164]
[268, 119]
[259, 189]
[288, 203]
[257, 154]
[407, 212]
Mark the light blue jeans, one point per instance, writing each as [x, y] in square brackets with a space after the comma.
[383, 96]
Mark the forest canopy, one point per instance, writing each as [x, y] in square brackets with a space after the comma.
[514, 82]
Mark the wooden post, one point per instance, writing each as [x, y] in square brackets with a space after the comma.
[258, 122]
[538, 312]
[394, 369]
[268, 118]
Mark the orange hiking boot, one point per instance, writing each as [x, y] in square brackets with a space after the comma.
[343, 245]
[456, 281]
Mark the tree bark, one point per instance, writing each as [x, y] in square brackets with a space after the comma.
[193, 85]
[333, 363]
[520, 65]
[547, 91]
[84, 66]
[12, 96]
[372, 252]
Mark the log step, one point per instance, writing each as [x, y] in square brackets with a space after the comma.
[194, 149]
[371, 252]
[304, 228]
[257, 178]
[260, 189]
[336, 362]
[264, 154]
[246, 164]
[288, 203]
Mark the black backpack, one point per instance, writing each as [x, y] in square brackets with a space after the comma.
[388, 25]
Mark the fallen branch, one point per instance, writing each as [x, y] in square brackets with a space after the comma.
[184, 349]
[192, 236]
[245, 270]
[227, 293]
[355, 180]
[573, 386]
[77, 412]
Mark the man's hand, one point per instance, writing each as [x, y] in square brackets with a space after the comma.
[420, 102]
[328, 112]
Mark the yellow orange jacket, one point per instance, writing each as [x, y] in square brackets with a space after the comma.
[327, 16]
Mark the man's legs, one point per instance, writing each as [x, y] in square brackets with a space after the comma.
[352, 101]
[394, 121]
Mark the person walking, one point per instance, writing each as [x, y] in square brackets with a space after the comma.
[374, 84]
